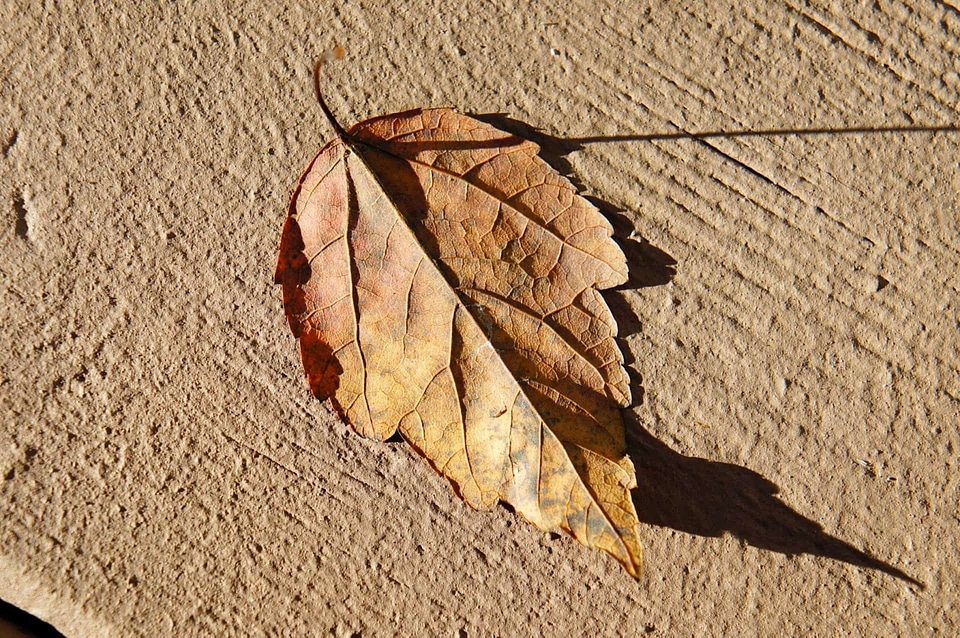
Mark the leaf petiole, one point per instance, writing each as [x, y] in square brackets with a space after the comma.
[342, 134]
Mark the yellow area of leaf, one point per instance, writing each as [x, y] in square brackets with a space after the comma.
[443, 281]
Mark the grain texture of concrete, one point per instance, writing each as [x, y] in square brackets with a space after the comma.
[784, 178]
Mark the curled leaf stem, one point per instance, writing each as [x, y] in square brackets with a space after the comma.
[323, 105]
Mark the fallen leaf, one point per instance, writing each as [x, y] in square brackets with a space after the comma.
[443, 281]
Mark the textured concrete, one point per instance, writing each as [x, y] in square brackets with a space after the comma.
[792, 325]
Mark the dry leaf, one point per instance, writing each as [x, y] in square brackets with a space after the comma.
[442, 280]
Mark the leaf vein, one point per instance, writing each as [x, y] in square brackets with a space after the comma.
[506, 201]
[353, 210]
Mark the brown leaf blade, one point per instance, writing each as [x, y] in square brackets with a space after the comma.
[443, 281]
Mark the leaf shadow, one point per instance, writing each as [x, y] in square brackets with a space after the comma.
[688, 494]
[709, 498]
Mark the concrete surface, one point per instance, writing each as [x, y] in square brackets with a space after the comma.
[792, 323]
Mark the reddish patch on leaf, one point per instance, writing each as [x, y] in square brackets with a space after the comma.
[293, 270]
[320, 365]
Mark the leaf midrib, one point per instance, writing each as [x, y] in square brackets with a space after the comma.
[349, 143]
